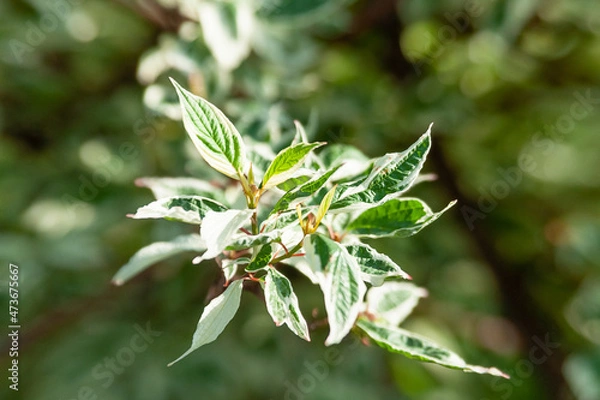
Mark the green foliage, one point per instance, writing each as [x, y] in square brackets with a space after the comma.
[512, 86]
[300, 222]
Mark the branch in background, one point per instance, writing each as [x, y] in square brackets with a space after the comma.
[166, 20]
[516, 301]
[518, 304]
[367, 15]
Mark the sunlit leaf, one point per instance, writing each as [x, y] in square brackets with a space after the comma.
[189, 209]
[282, 303]
[304, 190]
[261, 259]
[390, 176]
[218, 228]
[286, 163]
[213, 134]
[215, 317]
[411, 345]
[396, 217]
[294, 182]
[394, 301]
[374, 266]
[324, 206]
[156, 252]
[339, 279]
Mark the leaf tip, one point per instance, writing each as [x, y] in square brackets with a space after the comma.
[490, 371]
[303, 336]
[497, 372]
[181, 357]
[130, 215]
[175, 83]
[117, 282]
[330, 341]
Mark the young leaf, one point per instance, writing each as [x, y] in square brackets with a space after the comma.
[189, 209]
[171, 187]
[286, 163]
[217, 229]
[261, 259]
[282, 303]
[215, 137]
[304, 190]
[413, 346]
[396, 217]
[215, 317]
[339, 279]
[157, 252]
[391, 175]
[394, 301]
[374, 266]
[324, 206]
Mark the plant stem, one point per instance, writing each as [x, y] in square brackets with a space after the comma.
[290, 253]
[254, 221]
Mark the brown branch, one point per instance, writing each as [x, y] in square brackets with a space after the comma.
[367, 14]
[165, 19]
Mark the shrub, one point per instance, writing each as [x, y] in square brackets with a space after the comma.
[304, 210]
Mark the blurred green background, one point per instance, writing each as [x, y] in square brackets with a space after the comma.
[512, 270]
